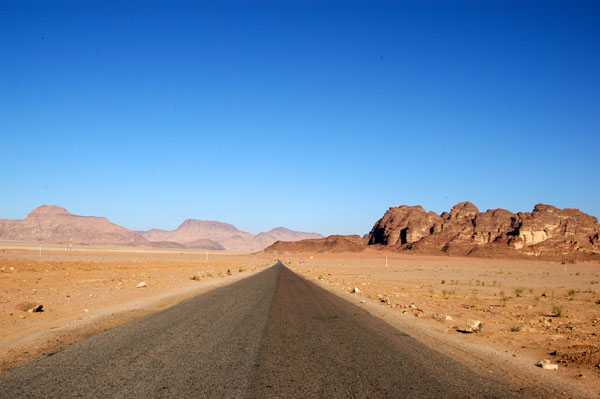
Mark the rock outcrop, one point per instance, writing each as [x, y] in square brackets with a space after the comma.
[546, 232]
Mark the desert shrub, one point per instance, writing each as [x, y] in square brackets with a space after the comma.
[557, 310]
[516, 328]
[447, 294]
[519, 292]
[195, 278]
[571, 293]
[228, 272]
[504, 298]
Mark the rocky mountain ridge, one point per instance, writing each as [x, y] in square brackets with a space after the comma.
[547, 231]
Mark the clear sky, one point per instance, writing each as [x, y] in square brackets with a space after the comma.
[312, 115]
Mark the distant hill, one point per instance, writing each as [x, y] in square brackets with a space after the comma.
[53, 224]
[205, 243]
[225, 235]
[333, 243]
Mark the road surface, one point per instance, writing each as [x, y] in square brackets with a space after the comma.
[272, 335]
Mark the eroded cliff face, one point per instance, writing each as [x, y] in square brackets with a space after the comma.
[547, 231]
[403, 225]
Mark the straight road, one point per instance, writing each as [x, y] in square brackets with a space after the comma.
[272, 335]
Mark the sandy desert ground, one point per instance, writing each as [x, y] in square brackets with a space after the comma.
[530, 310]
[88, 290]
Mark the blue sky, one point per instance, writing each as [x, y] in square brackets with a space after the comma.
[313, 115]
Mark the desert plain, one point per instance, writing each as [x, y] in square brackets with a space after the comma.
[529, 310]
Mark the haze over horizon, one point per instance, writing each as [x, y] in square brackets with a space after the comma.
[316, 116]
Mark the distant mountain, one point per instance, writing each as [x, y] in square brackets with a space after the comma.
[224, 234]
[53, 224]
[192, 230]
[263, 240]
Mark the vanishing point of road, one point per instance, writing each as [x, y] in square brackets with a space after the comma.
[272, 335]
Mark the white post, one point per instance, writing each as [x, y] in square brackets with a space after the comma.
[386, 261]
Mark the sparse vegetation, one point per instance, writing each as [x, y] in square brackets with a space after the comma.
[504, 298]
[241, 270]
[516, 328]
[571, 293]
[519, 292]
[557, 310]
[443, 281]
[228, 272]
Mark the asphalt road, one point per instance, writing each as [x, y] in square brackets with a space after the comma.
[271, 335]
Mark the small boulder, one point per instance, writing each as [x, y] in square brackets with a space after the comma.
[474, 326]
[355, 290]
[141, 285]
[547, 365]
[449, 318]
[30, 307]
